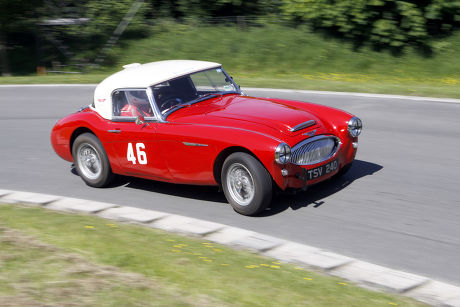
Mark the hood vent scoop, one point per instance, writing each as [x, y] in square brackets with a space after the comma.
[303, 125]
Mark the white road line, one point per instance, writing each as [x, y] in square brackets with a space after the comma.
[368, 95]
[47, 85]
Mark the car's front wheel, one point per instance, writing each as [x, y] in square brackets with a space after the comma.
[246, 183]
[91, 161]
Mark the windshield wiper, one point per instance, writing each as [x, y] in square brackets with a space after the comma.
[189, 103]
[175, 107]
[229, 92]
[210, 95]
[201, 98]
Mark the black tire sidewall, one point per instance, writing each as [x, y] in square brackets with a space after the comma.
[262, 183]
[106, 171]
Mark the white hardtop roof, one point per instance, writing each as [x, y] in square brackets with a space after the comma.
[142, 76]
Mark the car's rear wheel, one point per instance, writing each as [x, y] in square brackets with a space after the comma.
[246, 183]
[91, 161]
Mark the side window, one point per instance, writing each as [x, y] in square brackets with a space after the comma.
[139, 103]
[118, 101]
[131, 103]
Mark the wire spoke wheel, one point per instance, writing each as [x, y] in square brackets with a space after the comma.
[240, 184]
[246, 183]
[89, 160]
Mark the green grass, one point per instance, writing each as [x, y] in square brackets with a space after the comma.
[34, 273]
[176, 269]
[284, 82]
[280, 57]
[55, 79]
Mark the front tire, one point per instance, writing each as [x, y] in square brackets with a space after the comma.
[246, 183]
[91, 161]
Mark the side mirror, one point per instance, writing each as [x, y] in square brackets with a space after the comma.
[140, 120]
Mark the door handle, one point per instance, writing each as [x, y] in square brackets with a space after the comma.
[114, 131]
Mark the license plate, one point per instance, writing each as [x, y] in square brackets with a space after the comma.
[321, 170]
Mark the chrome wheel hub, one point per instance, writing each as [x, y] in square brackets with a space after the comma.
[240, 184]
[89, 161]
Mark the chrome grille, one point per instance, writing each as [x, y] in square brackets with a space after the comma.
[314, 150]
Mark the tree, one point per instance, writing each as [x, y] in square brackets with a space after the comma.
[38, 32]
[383, 23]
[213, 8]
[17, 25]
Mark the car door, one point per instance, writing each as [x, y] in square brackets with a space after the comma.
[188, 153]
[134, 142]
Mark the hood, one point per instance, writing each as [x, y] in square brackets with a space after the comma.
[250, 113]
[276, 115]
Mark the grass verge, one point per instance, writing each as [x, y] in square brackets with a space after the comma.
[276, 56]
[45, 256]
[284, 82]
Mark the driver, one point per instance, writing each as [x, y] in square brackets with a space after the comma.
[138, 105]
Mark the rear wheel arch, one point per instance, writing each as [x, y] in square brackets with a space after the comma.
[91, 161]
[79, 131]
[76, 133]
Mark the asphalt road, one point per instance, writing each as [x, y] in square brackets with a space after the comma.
[398, 206]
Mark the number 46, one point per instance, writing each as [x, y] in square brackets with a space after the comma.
[141, 156]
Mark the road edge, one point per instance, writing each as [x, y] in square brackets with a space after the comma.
[356, 94]
[315, 92]
[362, 273]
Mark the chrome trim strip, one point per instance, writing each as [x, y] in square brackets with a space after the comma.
[314, 139]
[303, 125]
[229, 127]
[194, 144]
[114, 131]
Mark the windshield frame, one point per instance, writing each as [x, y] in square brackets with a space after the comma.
[208, 95]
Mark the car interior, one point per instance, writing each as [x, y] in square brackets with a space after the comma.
[173, 92]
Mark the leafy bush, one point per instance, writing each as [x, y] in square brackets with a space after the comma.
[213, 8]
[383, 23]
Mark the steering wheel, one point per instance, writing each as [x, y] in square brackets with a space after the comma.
[169, 103]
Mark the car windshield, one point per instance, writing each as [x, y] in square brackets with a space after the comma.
[186, 90]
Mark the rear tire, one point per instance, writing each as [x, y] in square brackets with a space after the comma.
[246, 183]
[91, 161]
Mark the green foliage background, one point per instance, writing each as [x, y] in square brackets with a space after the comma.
[383, 23]
[25, 42]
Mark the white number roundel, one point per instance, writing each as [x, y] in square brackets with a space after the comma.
[141, 155]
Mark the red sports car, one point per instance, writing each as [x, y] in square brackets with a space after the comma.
[188, 122]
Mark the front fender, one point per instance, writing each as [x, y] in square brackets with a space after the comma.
[215, 143]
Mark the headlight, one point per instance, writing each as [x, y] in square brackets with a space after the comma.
[355, 126]
[283, 153]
